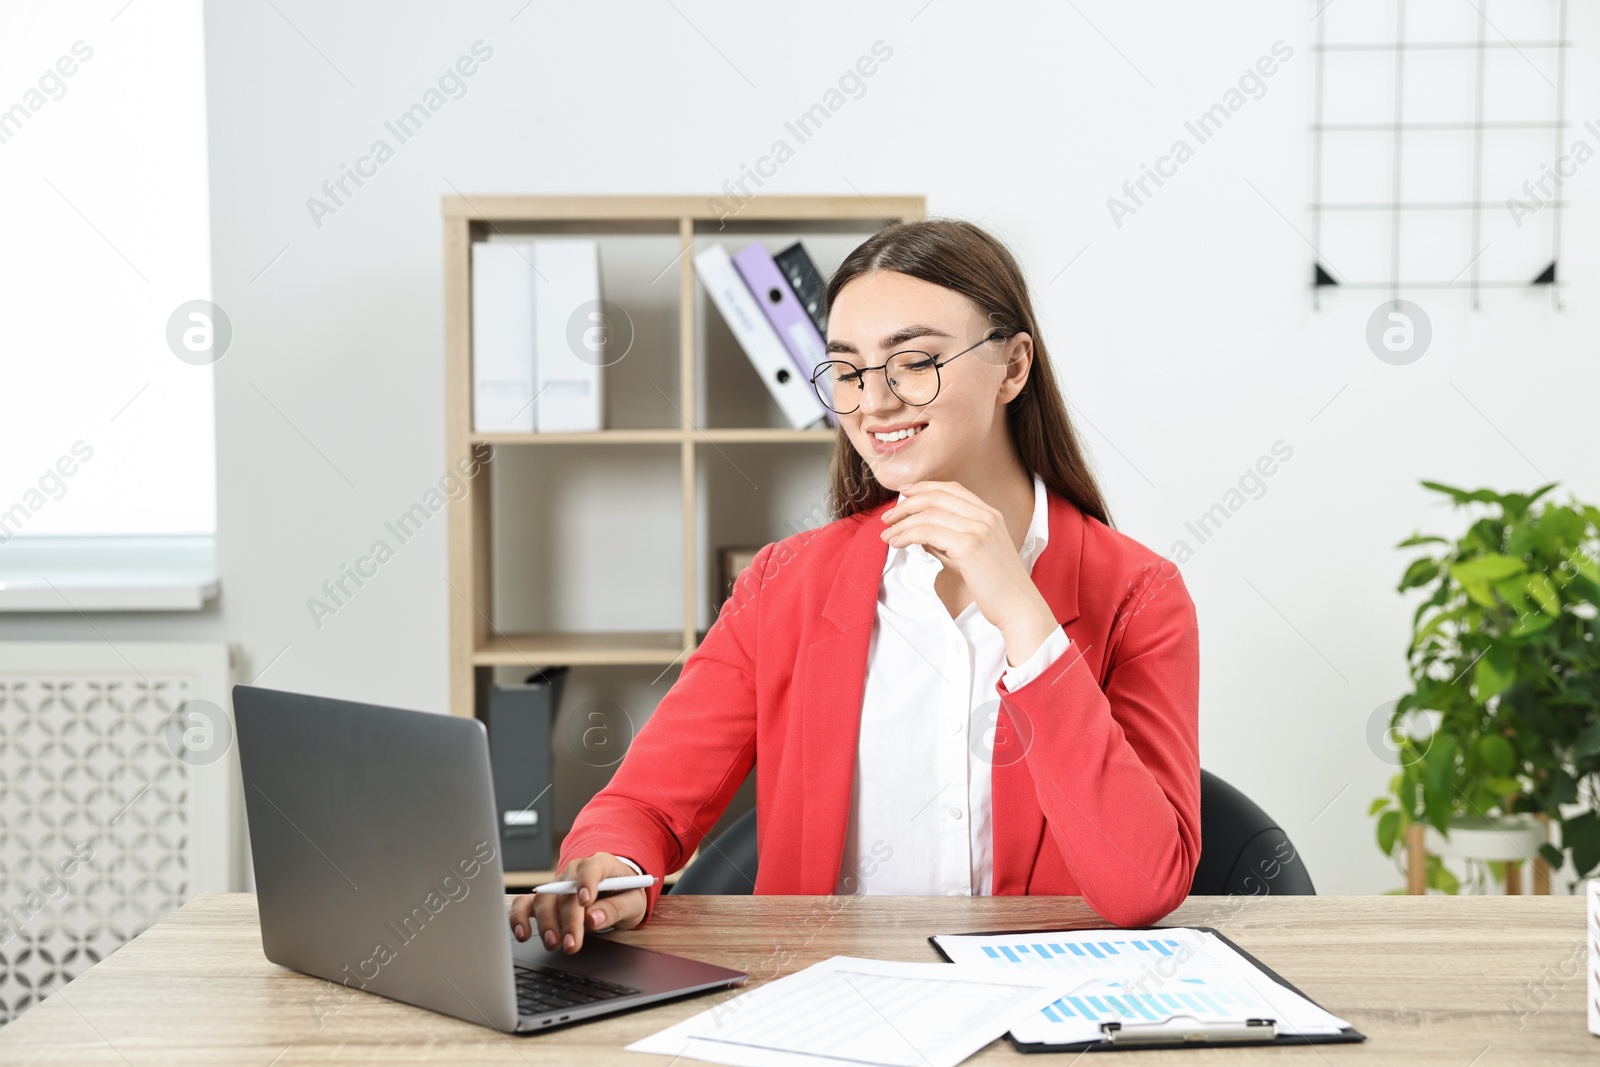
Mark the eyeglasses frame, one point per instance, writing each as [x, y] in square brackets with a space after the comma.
[993, 335]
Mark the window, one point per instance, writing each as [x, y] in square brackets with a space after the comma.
[106, 421]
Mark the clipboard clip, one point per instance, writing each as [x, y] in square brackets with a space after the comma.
[1188, 1030]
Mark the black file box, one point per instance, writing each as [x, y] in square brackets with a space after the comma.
[519, 721]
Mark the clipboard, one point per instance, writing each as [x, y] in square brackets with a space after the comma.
[1254, 1033]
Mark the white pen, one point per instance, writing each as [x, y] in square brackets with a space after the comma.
[607, 885]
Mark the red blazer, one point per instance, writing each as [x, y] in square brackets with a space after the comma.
[1103, 800]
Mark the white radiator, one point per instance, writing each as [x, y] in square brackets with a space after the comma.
[118, 800]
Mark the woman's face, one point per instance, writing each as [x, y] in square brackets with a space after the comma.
[956, 435]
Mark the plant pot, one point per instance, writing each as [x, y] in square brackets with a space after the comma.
[1487, 837]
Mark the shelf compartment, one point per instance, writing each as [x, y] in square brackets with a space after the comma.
[729, 393]
[579, 648]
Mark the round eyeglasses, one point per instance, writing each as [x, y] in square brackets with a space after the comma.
[912, 376]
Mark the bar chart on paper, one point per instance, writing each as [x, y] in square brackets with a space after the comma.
[1078, 955]
[1110, 1000]
[1139, 976]
[1099, 1002]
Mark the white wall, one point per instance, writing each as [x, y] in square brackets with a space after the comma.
[1186, 338]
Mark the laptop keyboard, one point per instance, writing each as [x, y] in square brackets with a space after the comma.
[540, 991]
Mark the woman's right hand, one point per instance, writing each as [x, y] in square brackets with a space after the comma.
[560, 919]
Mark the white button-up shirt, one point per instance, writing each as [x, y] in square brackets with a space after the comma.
[920, 820]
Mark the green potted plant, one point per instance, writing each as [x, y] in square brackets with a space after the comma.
[1502, 721]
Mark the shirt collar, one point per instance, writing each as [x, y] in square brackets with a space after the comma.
[1033, 542]
[1038, 534]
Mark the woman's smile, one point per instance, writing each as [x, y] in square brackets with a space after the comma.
[896, 438]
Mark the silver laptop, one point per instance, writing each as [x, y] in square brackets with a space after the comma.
[377, 866]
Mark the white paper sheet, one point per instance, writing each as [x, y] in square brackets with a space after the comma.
[856, 1011]
[1149, 974]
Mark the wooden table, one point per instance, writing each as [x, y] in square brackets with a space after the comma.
[1455, 981]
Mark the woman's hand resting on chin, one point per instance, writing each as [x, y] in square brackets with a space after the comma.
[961, 531]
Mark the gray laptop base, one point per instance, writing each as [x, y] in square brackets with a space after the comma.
[376, 855]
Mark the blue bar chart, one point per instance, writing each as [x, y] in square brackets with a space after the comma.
[1075, 955]
[1111, 1002]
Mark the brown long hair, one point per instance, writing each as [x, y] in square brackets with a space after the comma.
[964, 258]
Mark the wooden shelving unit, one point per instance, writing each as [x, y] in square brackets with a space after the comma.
[477, 644]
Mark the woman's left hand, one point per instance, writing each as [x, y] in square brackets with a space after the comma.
[961, 531]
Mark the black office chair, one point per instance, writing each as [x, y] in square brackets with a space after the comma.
[1242, 852]
[727, 865]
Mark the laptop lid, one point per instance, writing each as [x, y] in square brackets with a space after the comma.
[376, 853]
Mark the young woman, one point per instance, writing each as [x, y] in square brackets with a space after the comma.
[967, 683]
